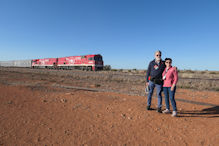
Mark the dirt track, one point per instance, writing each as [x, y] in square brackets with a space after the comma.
[41, 109]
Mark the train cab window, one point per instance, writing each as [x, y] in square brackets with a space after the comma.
[98, 58]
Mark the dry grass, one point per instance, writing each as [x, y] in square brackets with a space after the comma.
[188, 79]
[199, 80]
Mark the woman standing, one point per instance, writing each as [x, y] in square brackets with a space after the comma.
[170, 78]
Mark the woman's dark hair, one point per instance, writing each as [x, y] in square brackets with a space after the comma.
[168, 59]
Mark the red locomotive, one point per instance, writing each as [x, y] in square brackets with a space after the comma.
[86, 62]
[44, 63]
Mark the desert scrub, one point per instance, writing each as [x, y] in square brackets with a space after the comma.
[188, 71]
[114, 70]
[213, 72]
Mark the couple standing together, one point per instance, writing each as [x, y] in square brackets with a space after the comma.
[164, 77]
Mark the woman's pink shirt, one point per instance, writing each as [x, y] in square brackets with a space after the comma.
[171, 77]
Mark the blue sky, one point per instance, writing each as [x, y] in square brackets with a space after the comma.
[125, 32]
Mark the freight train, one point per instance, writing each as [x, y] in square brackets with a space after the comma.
[86, 62]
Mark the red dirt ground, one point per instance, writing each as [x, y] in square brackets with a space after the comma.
[56, 116]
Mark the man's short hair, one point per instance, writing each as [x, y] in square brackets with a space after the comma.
[158, 51]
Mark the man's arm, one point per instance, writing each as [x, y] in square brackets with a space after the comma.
[148, 74]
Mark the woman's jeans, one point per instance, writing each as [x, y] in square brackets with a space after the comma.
[170, 95]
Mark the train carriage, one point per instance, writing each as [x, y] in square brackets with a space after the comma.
[16, 63]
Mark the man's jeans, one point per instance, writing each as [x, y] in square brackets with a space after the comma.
[151, 90]
[170, 95]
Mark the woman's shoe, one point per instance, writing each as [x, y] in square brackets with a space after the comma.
[174, 114]
[166, 111]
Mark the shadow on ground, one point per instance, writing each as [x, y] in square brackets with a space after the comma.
[212, 112]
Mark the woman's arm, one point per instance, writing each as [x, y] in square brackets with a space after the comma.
[175, 78]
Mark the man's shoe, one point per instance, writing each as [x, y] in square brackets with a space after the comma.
[166, 111]
[149, 108]
[159, 110]
[174, 114]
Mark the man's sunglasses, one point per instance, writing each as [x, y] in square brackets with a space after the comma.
[158, 55]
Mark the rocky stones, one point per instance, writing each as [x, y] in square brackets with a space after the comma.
[63, 100]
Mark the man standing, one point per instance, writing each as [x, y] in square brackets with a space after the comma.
[154, 79]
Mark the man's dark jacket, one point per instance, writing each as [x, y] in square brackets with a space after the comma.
[155, 70]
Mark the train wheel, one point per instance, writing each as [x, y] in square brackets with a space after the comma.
[94, 68]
